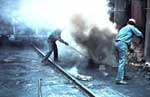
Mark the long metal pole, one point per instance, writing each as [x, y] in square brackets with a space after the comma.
[147, 34]
[78, 52]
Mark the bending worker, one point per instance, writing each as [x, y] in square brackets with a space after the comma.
[122, 42]
[54, 36]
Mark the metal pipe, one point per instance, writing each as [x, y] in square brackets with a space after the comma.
[120, 13]
[138, 13]
[78, 52]
[147, 33]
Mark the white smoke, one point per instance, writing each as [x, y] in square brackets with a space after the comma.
[51, 14]
[74, 71]
[57, 13]
[76, 16]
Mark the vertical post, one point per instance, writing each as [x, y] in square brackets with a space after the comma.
[147, 34]
[14, 30]
[39, 88]
[138, 13]
[120, 13]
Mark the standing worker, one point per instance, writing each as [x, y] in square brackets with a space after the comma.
[54, 36]
[122, 42]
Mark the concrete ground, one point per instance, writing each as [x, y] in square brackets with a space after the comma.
[20, 71]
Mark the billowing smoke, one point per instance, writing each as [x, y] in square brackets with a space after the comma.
[85, 21]
[97, 39]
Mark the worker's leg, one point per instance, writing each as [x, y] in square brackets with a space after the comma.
[48, 53]
[116, 52]
[55, 52]
[123, 49]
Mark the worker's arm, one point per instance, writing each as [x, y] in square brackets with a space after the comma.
[137, 32]
[61, 40]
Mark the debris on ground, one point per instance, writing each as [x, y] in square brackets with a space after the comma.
[74, 72]
[136, 64]
[84, 77]
[102, 68]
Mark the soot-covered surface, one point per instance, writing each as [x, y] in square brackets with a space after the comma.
[104, 83]
[20, 71]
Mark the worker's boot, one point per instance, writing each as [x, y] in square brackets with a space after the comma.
[127, 77]
[121, 82]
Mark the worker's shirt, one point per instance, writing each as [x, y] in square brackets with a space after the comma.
[127, 32]
[54, 36]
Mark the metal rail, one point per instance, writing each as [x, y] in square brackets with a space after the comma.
[88, 92]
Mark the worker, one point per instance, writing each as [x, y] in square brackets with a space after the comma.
[54, 36]
[122, 42]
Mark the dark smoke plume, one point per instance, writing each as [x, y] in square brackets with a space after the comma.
[97, 41]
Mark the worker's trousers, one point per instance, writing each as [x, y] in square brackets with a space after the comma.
[52, 48]
[122, 49]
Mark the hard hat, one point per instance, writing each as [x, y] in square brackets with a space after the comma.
[132, 21]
